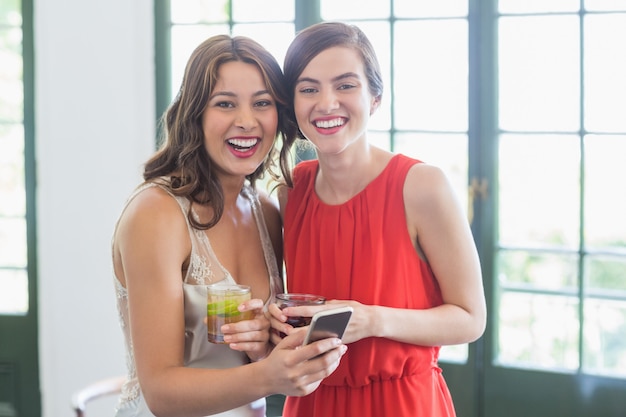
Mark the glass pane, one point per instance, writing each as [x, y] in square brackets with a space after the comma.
[605, 5]
[13, 242]
[378, 32]
[454, 353]
[605, 274]
[605, 66]
[538, 331]
[12, 96]
[13, 291]
[197, 11]
[431, 90]
[538, 6]
[604, 348]
[539, 73]
[605, 197]
[11, 13]
[539, 190]
[184, 40]
[259, 11]
[13, 249]
[353, 9]
[274, 37]
[528, 270]
[429, 8]
[12, 193]
[447, 151]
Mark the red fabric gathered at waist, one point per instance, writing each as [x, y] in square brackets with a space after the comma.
[409, 396]
[376, 359]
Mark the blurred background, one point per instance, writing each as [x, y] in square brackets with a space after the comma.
[522, 103]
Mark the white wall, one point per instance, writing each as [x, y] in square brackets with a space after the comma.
[94, 87]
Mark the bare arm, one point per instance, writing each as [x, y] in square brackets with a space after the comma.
[151, 245]
[437, 222]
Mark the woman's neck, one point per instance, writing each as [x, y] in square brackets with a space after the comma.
[231, 187]
[342, 176]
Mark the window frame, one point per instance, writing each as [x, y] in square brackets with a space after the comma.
[19, 360]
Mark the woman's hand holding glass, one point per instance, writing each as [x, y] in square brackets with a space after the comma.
[360, 325]
[280, 318]
[250, 336]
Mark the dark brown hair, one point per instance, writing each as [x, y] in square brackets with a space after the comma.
[183, 156]
[314, 39]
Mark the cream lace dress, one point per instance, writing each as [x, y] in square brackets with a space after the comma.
[204, 268]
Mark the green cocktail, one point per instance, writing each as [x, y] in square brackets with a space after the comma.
[222, 308]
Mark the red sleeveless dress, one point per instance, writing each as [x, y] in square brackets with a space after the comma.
[361, 250]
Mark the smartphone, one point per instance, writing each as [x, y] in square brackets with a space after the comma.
[328, 323]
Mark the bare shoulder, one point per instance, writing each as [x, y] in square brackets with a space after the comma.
[152, 214]
[269, 202]
[283, 194]
[426, 184]
[152, 233]
[271, 211]
[152, 203]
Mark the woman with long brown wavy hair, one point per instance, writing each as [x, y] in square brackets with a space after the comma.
[199, 219]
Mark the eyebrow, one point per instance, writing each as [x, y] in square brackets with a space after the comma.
[231, 94]
[337, 78]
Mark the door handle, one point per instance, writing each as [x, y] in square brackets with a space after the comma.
[478, 188]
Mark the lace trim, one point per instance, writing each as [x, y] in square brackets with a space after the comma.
[130, 389]
[209, 275]
[201, 271]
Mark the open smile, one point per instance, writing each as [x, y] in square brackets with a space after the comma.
[329, 124]
[243, 145]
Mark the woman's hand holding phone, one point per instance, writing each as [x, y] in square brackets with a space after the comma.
[328, 323]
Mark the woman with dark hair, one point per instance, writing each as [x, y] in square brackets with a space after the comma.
[198, 219]
[380, 232]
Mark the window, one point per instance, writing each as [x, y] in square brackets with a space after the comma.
[19, 367]
[189, 23]
[561, 257]
[14, 283]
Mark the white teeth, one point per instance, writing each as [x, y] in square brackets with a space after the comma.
[325, 124]
[243, 143]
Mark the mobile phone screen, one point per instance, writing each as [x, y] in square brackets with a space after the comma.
[328, 323]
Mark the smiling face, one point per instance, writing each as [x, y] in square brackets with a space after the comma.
[240, 120]
[332, 101]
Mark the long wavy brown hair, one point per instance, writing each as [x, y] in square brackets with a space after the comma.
[182, 156]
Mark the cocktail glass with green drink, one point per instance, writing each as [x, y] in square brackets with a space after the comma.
[223, 301]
